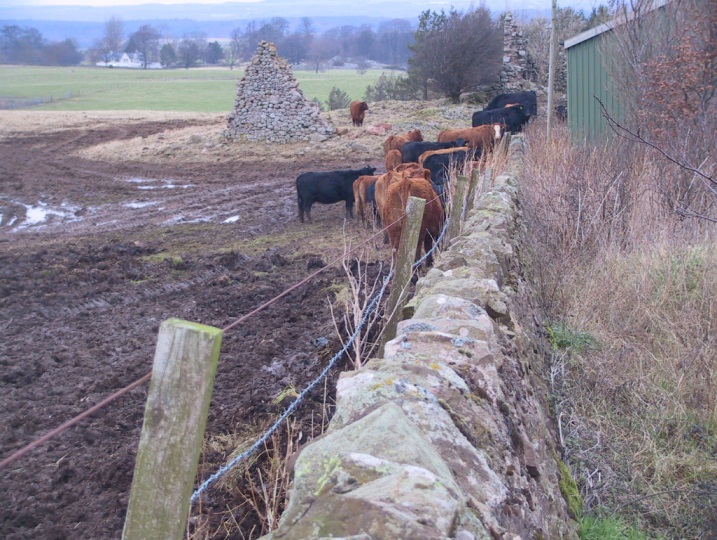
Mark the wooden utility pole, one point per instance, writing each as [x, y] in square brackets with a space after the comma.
[551, 65]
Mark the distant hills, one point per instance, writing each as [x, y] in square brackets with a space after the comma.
[86, 24]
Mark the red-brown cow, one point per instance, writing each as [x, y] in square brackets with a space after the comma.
[395, 142]
[358, 112]
[361, 186]
[480, 137]
[393, 159]
[393, 214]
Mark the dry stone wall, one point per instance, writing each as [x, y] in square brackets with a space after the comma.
[518, 70]
[270, 107]
[448, 435]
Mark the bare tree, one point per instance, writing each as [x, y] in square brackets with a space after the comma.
[110, 42]
[191, 49]
[537, 32]
[146, 42]
[322, 49]
[664, 65]
[114, 33]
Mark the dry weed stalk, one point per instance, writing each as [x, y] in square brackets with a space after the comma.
[354, 303]
[638, 414]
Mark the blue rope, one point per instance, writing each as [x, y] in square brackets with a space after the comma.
[291, 408]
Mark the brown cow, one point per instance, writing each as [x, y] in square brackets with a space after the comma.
[393, 213]
[361, 185]
[395, 142]
[358, 111]
[393, 159]
[381, 187]
[480, 137]
[413, 170]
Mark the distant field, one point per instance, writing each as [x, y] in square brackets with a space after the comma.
[192, 90]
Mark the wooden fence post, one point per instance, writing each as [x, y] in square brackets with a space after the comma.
[487, 179]
[404, 267]
[475, 175]
[175, 417]
[459, 199]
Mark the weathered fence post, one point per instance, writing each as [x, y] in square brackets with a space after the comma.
[175, 417]
[404, 266]
[473, 187]
[487, 179]
[459, 199]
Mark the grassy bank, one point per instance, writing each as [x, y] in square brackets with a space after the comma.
[631, 296]
[189, 90]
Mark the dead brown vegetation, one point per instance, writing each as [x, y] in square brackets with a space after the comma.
[630, 293]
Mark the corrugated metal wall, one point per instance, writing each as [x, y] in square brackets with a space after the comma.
[587, 78]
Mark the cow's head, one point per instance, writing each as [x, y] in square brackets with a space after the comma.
[368, 171]
[415, 135]
[460, 142]
[498, 131]
[363, 106]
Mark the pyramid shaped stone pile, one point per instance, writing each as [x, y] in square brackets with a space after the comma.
[270, 107]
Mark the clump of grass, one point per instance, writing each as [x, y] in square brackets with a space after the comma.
[615, 267]
[563, 338]
[608, 528]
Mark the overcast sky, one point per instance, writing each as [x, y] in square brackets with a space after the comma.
[429, 4]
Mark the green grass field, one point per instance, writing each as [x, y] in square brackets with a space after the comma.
[192, 90]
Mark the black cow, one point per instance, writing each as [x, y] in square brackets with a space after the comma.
[328, 188]
[561, 113]
[412, 150]
[512, 117]
[371, 201]
[440, 164]
[528, 99]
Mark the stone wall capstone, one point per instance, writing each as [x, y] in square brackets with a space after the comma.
[449, 435]
[270, 107]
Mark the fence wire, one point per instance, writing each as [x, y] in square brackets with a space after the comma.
[291, 408]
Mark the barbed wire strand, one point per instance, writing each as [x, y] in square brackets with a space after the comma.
[307, 278]
[55, 432]
[42, 440]
[291, 408]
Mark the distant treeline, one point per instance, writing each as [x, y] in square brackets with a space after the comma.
[388, 43]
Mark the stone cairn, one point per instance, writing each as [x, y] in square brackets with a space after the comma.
[270, 107]
[518, 67]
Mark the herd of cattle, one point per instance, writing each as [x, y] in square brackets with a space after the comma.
[414, 167]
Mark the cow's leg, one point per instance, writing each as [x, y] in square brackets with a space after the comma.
[427, 245]
[349, 210]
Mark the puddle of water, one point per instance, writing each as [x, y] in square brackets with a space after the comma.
[166, 184]
[35, 215]
[140, 204]
[232, 219]
[140, 180]
[175, 219]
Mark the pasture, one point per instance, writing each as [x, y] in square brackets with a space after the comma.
[124, 219]
[210, 90]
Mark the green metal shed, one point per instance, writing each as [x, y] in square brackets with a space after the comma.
[588, 79]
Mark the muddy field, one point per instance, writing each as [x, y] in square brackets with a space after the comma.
[114, 222]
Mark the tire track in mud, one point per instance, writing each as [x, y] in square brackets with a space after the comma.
[119, 300]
